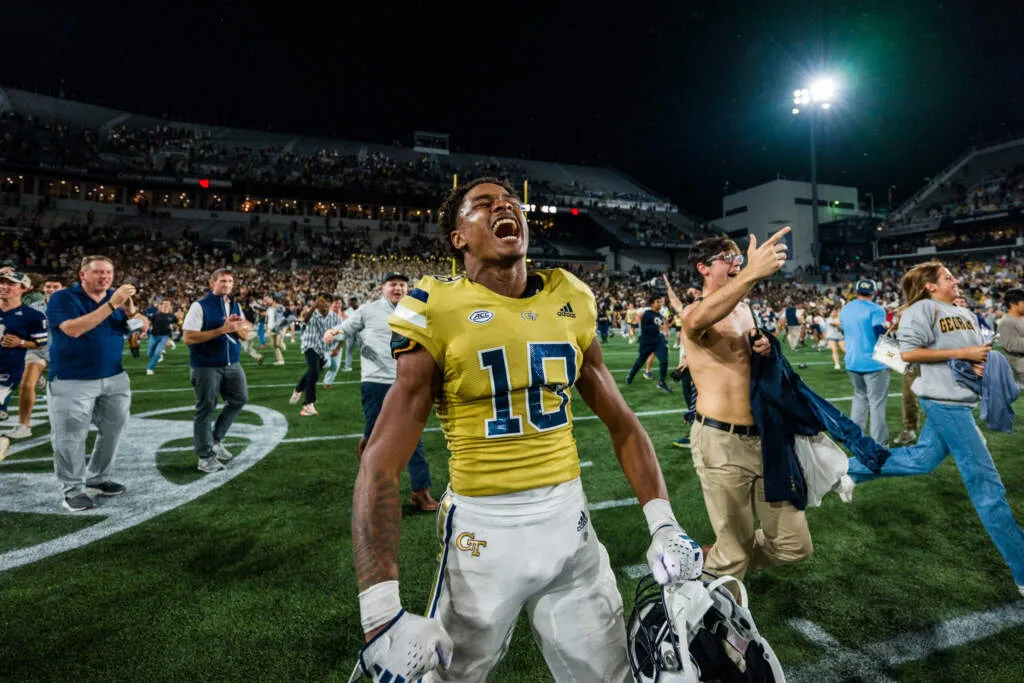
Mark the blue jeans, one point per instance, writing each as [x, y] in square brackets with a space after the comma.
[373, 399]
[333, 365]
[261, 332]
[154, 348]
[948, 430]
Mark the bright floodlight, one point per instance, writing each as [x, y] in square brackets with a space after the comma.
[823, 90]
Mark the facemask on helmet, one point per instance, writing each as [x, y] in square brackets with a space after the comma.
[697, 631]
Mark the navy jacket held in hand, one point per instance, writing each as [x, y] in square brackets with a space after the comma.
[784, 407]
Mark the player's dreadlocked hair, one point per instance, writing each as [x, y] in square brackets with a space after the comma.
[447, 215]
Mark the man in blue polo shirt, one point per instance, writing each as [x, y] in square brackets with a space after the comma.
[88, 322]
[863, 322]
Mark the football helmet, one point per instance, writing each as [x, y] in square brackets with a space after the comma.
[697, 631]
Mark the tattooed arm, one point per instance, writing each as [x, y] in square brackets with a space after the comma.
[376, 507]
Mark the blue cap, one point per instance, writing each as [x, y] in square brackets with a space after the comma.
[865, 287]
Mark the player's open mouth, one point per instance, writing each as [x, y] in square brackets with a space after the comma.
[506, 229]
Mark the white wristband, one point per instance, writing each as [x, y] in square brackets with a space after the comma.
[379, 604]
[658, 512]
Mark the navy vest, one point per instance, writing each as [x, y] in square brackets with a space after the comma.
[220, 351]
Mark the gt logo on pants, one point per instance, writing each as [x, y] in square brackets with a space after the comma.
[467, 541]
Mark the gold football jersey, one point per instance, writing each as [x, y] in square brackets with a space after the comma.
[508, 368]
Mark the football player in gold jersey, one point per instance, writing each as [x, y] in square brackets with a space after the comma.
[499, 353]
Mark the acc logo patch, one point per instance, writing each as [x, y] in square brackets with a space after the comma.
[149, 492]
[481, 316]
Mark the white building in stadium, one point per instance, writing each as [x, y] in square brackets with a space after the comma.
[764, 209]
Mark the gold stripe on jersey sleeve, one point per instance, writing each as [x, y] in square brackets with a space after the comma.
[408, 345]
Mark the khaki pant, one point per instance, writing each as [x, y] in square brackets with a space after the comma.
[910, 409]
[276, 340]
[729, 467]
[249, 345]
[794, 334]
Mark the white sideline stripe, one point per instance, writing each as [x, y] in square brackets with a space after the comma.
[814, 633]
[174, 449]
[335, 437]
[636, 571]
[182, 449]
[624, 502]
[251, 386]
[866, 662]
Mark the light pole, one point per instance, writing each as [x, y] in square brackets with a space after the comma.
[814, 100]
[869, 194]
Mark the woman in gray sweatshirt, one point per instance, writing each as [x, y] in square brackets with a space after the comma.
[931, 332]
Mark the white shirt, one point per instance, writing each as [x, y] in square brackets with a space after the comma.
[274, 313]
[194, 318]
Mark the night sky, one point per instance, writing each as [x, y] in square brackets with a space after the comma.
[684, 98]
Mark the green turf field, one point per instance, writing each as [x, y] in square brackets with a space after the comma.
[246, 574]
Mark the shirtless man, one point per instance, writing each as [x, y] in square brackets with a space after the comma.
[718, 336]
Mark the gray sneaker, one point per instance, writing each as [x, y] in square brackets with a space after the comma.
[78, 503]
[209, 465]
[107, 488]
[222, 454]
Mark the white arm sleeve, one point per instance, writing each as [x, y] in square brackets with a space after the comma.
[194, 318]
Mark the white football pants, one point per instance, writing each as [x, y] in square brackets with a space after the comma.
[533, 549]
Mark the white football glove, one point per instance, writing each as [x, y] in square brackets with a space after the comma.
[673, 556]
[408, 648]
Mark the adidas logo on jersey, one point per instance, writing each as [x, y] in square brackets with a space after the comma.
[566, 311]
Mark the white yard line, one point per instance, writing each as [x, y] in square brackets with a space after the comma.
[604, 505]
[251, 386]
[867, 662]
[356, 435]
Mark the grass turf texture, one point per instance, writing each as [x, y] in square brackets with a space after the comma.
[254, 580]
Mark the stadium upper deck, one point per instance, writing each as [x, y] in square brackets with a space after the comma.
[39, 129]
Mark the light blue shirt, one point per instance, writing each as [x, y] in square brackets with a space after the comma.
[859, 318]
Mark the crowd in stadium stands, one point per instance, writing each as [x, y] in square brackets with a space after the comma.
[194, 151]
[947, 241]
[1000, 191]
[278, 263]
[647, 226]
[653, 226]
[45, 141]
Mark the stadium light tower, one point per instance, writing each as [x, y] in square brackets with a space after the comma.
[811, 102]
